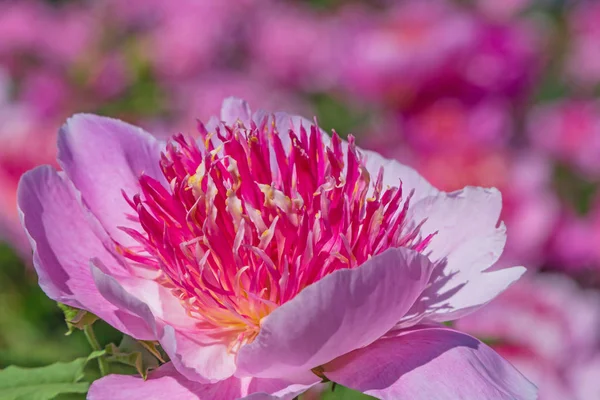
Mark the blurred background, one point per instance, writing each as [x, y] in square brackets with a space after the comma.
[500, 93]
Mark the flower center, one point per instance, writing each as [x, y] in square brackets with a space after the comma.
[250, 218]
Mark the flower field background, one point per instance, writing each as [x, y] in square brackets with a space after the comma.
[489, 93]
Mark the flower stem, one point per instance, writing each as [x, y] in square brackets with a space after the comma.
[91, 337]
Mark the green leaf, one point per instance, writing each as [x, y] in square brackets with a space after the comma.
[335, 392]
[44, 383]
[143, 356]
[76, 318]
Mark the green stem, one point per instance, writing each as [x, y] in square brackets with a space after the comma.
[91, 337]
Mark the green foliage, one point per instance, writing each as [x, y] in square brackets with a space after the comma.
[338, 392]
[574, 189]
[76, 318]
[334, 113]
[44, 383]
[32, 321]
[142, 355]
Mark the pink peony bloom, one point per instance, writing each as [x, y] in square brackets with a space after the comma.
[286, 34]
[550, 330]
[266, 256]
[397, 52]
[570, 132]
[26, 143]
[574, 246]
[582, 63]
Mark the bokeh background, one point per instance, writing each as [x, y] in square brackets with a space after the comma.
[500, 93]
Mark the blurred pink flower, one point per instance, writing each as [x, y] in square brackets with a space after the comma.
[506, 58]
[45, 92]
[550, 330]
[26, 143]
[530, 207]
[190, 36]
[502, 10]
[201, 98]
[569, 131]
[451, 126]
[454, 145]
[295, 45]
[583, 57]
[574, 247]
[36, 29]
[394, 53]
[419, 51]
[110, 76]
[263, 262]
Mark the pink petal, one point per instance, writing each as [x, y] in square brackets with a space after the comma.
[469, 240]
[63, 242]
[430, 363]
[163, 383]
[394, 172]
[345, 310]
[103, 156]
[234, 109]
[166, 382]
[197, 357]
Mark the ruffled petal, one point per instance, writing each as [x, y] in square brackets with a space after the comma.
[196, 356]
[468, 240]
[103, 157]
[346, 310]
[63, 241]
[430, 363]
[166, 382]
[163, 383]
[235, 109]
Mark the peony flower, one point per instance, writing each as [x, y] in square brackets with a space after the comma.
[550, 330]
[265, 257]
[26, 143]
[569, 131]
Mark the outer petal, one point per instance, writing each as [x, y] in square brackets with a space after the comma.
[63, 242]
[102, 157]
[394, 172]
[342, 312]
[468, 241]
[163, 383]
[198, 358]
[167, 382]
[430, 364]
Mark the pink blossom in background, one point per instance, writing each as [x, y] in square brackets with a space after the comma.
[25, 144]
[582, 63]
[171, 48]
[296, 45]
[575, 241]
[455, 145]
[452, 127]
[47, 34]
[531, 209]
[255, 259]
[394, 53]
[110, 77]
[201, 98]
[569, 130]
[46, 92]
[506, 58]
[550, 330]
[419, 51]
[502, 10]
